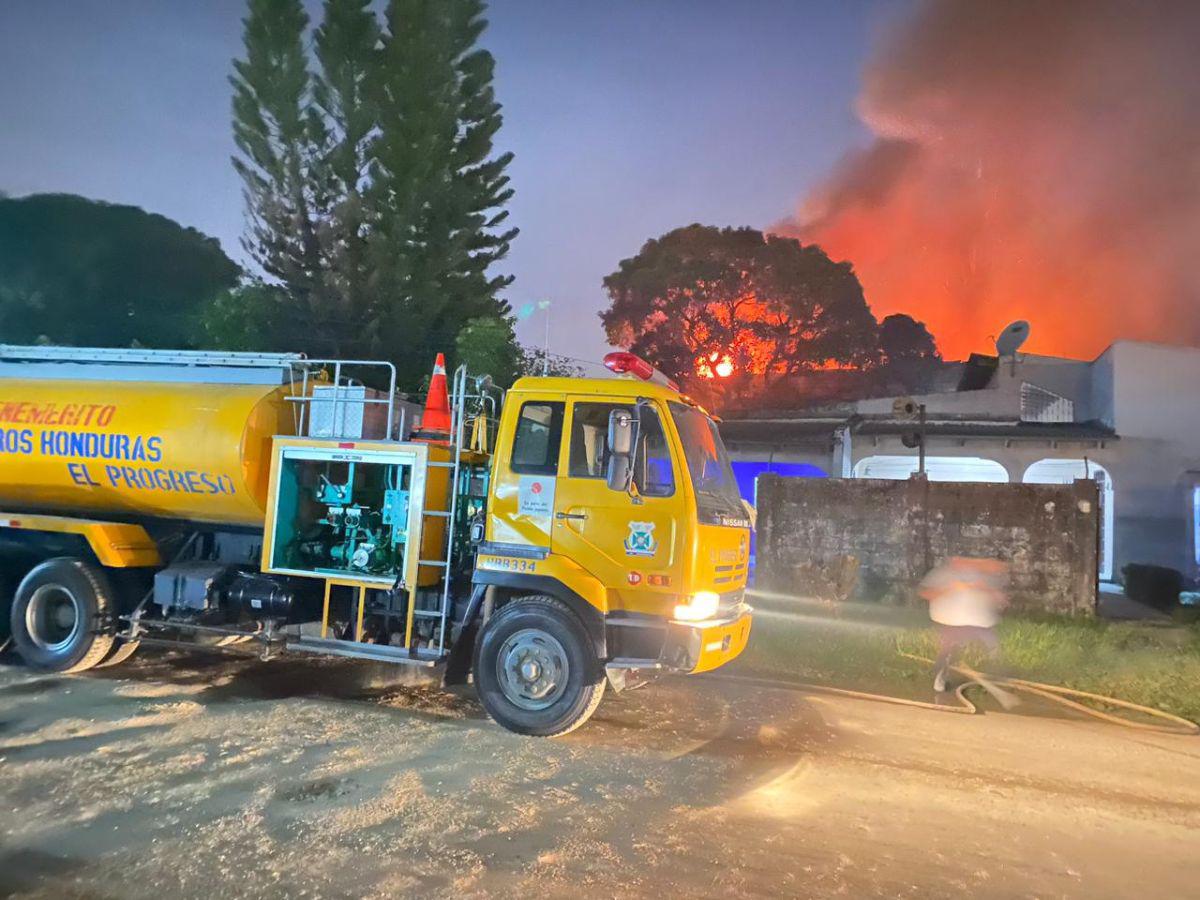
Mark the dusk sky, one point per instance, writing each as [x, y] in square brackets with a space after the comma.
[627, 118]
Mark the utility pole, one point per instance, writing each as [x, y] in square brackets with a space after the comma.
[545, 304]
[921, 440]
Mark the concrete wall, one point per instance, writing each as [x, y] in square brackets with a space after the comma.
[1070, 378]
[899, 530]
[1152, 484]
[998, 401]
[1155, 392]
[1102, 388]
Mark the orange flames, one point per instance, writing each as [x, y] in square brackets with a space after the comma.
[1033, 160]
[715, 365]
[726, 340]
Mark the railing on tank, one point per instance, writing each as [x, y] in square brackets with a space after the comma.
[137, 364]
[342, 400]
[339, 399]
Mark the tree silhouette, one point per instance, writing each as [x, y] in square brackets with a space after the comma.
[710, 302]
[86, 273]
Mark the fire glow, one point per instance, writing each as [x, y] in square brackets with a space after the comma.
[715, 365]
[1032, 160]
[733, 338]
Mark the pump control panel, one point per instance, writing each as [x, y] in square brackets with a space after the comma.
[345, 514]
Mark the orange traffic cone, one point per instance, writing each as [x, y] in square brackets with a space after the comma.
[435, 423]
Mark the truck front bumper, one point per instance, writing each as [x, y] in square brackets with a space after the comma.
[702, 646]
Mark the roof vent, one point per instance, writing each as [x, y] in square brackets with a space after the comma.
[1041, 405]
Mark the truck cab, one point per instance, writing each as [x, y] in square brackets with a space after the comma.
[614, 500]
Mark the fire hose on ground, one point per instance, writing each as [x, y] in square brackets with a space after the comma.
[1064, 696]
[1051, 692]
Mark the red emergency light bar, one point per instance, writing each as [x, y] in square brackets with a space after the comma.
[623, 363]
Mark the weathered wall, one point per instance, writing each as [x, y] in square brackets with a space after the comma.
[899, 530]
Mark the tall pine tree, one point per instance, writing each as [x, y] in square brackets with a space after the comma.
[275, 129]
[484, 186]
[346, 48]
[435, 189]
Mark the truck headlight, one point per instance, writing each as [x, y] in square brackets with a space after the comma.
[702, 605]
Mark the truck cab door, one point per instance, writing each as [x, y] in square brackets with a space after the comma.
[525, 481]
[628, 542]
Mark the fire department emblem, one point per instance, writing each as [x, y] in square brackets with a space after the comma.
[640, 541]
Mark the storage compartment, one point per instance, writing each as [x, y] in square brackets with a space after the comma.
[348, 411]
[353, 513]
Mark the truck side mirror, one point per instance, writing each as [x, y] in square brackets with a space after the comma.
[622, 438]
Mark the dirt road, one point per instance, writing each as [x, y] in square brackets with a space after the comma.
[198, 776]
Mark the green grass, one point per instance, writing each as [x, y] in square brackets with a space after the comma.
[1153, 665]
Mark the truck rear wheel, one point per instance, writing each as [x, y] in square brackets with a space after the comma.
[6, 595]
[535, 670]
[62, 616]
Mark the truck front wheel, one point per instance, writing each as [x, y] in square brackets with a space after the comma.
[62, 616]
[535, 670]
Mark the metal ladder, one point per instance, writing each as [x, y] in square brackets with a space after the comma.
[446, 564]
[431, 655]
[459, 397]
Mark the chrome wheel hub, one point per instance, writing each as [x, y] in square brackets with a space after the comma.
[532, 669]
[53, 618]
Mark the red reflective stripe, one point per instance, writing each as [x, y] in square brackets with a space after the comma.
[346, 446]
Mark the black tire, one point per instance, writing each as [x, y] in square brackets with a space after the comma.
[7, 585]
[553, 640]
[63, 616]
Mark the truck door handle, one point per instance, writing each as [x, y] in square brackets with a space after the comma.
[579, 517]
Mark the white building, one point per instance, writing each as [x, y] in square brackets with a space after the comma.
[1129, 419]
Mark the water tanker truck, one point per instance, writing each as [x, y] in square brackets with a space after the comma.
[543, 541]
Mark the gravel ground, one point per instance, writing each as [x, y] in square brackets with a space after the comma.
[201, 776]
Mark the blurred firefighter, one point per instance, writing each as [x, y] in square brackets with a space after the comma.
[966, 598]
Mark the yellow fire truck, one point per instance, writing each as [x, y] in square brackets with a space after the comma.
[555, 538]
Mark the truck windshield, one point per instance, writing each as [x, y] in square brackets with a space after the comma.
[717, 499]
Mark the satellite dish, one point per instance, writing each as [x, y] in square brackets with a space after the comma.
[1011, 338]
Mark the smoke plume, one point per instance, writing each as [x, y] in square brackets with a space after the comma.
[1034, 159]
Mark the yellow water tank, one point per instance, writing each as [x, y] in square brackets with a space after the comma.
[194, 451]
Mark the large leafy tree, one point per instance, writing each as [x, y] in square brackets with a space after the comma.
[717, 303]
[903, 339]
[86, 273]
[908, 353]
[488, 346]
